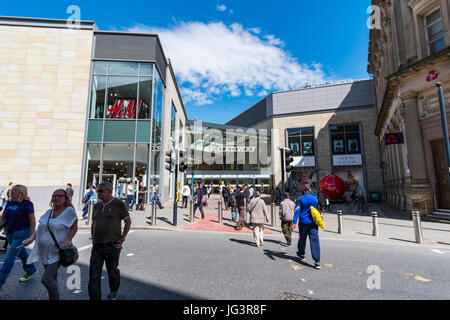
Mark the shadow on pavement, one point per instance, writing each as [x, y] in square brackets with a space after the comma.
[283, 255]
[130, 289]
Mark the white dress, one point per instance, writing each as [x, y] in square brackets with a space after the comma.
[44, 248]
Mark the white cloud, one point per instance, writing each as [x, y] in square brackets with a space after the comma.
[221, 7]
[212, 60]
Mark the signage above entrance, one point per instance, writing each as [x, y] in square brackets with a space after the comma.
[304, 162]
[394, 138]
[347, 160]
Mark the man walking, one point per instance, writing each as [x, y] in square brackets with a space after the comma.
[199, 198]
[226, 196]
[107, 240]
[186, 192]
[287, 209]
[131, 199]
[306, 226]
[241, 204]
[69, 190]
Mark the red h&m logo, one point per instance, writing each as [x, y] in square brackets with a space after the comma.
[121, 110]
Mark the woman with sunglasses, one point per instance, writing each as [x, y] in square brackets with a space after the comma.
[20, 222]
[63, 222]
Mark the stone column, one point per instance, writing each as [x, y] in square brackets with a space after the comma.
[419, 187]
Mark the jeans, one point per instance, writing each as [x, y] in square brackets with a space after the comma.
[131, 200]
[16, 249]
[199, 205]
[185, 202]
[241, 222]
[226, 201]
[50, 280]
[234, 213]
[108, 254]
[311, 231]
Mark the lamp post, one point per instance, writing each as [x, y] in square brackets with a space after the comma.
[444, 125]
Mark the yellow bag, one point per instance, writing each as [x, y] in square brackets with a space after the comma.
[317, 217]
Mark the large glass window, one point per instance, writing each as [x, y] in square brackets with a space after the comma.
[173, 117]
[121, 90]
[301, 141]
[345, 139]
[93, 163]
[435, 31]
[157, 133]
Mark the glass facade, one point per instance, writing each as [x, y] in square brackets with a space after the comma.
[345, 139]
[301, 141]
[124, 130]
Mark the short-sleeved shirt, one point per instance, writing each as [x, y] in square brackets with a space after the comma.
[108, 221]
[142, 189]
[17, 215]
[240, 199]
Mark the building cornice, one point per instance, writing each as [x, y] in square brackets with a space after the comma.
[395, 78]
[45, 23]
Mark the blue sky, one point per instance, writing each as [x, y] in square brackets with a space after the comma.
[229, 54]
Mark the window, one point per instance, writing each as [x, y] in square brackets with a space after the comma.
[121, 90]
[173, 117]
[434, 31]
[345, 139]
[301, 141]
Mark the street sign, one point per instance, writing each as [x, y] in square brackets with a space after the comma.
[394, 138]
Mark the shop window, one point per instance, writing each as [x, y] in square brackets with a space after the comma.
[121, 90]
[434, 31]
[93, 163]
[301, 141]
[345, 139]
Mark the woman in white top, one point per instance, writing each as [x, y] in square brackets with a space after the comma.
[63, 221]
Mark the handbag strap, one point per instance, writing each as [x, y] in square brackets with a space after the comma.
[51, 233]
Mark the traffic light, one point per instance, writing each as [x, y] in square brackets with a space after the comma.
[169, 162]
[288, 160]
[182, 166]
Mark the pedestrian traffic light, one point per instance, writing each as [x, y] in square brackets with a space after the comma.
[288, 160]
[169, 160]
[182, 166]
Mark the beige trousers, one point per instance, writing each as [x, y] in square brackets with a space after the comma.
[258, 233]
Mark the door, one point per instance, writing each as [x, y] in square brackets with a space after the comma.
[440, 167]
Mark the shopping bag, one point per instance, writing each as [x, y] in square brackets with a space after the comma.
[317, 217]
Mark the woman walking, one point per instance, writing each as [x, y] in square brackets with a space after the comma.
[63, 222]
[20, 226]
[258, 212]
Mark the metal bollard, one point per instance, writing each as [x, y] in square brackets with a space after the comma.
[90, 212]
[153, 213]
[375, 232]
[340, 224]
[220, 212]
[272, 210]
[417, 227]
[191, 211]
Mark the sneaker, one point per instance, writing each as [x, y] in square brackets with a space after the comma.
[302, 258]
[26, 277]
[112, 295]
[317, 266]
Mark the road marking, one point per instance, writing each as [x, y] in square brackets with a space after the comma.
[310, 292]
[14, 261]
[297, 267]
[85, 248]
[302, 280]
[437, 251]
[130, 255]
[422, 279]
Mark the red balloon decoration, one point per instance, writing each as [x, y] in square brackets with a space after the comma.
[333, 187]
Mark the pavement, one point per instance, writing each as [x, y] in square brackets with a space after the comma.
[174, 265]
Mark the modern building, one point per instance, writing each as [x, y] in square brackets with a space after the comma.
[82, 105]
[329, 127]
[408, 54]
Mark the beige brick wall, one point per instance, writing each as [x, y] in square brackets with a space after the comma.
[44, 80]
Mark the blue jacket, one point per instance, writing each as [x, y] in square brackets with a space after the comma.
[303, 209]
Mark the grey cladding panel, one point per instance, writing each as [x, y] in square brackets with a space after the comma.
[252, 116]
[133, 47]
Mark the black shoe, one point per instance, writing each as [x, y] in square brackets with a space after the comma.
[112, 295]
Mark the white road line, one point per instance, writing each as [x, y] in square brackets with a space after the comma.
[437, 251]
[85, 248]
[14, 261]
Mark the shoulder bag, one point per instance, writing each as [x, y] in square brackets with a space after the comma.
[67, 256]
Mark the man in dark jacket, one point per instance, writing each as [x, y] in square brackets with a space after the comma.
[198, 198]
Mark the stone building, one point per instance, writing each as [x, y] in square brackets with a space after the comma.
[407, 56]
[330, 128]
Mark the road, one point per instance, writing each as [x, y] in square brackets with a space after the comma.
[224, 266]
